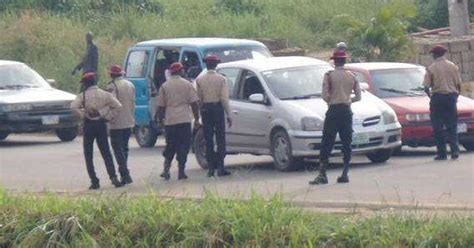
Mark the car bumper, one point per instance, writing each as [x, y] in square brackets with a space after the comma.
[421, 134]
[37, 121]
[308, 144]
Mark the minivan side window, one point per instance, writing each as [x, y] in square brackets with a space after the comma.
[192, 66]
[231, 75]
[136, 66]
[360, 77]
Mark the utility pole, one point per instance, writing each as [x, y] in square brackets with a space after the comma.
[459, 17]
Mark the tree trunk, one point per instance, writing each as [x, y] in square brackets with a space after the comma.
[459, 17]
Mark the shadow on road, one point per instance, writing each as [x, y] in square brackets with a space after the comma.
[18, 143]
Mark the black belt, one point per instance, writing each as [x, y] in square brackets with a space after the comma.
[212, 104]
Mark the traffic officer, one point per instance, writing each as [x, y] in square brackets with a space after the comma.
[337, 88]
[442, 84]
[96, 107]
[213, 94]
[175, 98]
[121, 126]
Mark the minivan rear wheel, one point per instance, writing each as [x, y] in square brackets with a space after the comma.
[282, 152]
[67, 134]
[3, 135]
[199, 147]
[145, 136]
[380, 156]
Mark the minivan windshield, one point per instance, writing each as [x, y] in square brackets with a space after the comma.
[20, 76]
[398, 82]
[296, 83]
[228, 54]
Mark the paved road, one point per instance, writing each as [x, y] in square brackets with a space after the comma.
[37, 163]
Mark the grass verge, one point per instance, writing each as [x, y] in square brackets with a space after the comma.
[147, 221]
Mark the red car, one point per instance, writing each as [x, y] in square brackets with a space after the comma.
[401, 86]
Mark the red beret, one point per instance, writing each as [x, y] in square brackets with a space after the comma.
[88, 77]
[339, 55]
[212, 58]
[438, 49]
[116, 70]
[175, 67]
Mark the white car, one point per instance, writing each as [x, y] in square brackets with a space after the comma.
[28, 104]
[277, 110]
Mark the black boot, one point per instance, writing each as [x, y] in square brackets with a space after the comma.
[222, 172]
[166, 171]
[210, 173]
[94, 184]
[343, 179]
[127, 180]
[116, 182]
[441, 157]
[320, 179]
[181, 174]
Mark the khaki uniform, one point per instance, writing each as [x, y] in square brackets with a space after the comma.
[124, 91]
[96, 104]
[338, 86]
[212, 88]
[443, 77]
[176, 95]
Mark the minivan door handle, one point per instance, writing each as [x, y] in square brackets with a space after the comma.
[235, 112]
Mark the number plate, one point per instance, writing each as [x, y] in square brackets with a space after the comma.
[360, 138]
[50, 119]
[462, 128]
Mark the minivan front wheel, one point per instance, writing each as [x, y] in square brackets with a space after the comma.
[67, 134]
[145, 136]
[282, 152]
[380, 156]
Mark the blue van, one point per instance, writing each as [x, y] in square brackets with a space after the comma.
[146, 65]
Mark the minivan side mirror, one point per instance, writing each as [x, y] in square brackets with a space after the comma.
[52, 82]
[364, 86]
[257, 98]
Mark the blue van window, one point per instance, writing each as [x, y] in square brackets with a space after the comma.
[137, 64]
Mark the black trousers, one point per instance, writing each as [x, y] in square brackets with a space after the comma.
[338, 120]
[213, 120]
[119, 139]
[444, 120]
[178, 142]
[97, 130]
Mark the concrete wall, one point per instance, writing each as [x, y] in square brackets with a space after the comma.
[460, 51]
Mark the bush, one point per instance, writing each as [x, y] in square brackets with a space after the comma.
[148, 221]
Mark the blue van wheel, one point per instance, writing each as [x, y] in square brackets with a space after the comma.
[145, 135]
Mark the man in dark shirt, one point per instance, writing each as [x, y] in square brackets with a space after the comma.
[90, 61]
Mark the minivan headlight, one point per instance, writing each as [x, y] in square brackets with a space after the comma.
[312, 124]
[417, 117]
[389, 117]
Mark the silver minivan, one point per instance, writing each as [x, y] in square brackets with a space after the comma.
[277, 110]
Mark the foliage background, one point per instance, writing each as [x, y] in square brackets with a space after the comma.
[49, 34]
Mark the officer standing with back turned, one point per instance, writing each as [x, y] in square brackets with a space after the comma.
[337, 88]
[176, 98]
[96, 107]
[213, 94]
[443, 84]
[121, 126]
